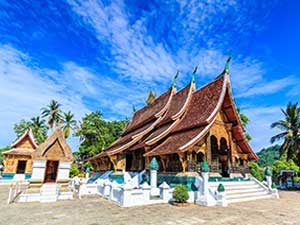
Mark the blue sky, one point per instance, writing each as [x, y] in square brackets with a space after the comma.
[105, 55]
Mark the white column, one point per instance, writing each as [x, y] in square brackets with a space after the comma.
[153, 178]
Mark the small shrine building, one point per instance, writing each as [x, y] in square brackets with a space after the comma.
[18, 160]
[181, 129]
[44, 163]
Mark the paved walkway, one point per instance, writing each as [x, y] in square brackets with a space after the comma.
[97, 211]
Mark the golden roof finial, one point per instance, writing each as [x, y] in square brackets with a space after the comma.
[151, 97]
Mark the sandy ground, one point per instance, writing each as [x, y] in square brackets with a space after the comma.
[94, 210]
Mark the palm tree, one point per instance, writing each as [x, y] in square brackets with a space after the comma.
[53, 112]
[68, 122]
[39, 129]
[290, 127]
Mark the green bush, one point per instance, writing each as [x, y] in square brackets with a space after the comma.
[256, 171]
[296, 179]
[283, 165]
[74, 171]
[180, 193]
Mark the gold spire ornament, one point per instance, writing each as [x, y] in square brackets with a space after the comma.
[174, 82]
[151, 97]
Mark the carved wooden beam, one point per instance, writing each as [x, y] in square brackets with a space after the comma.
[183, 160]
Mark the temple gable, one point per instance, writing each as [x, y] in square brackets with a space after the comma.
[55, 150]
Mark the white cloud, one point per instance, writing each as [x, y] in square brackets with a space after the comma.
[270, 87]
[261, 119]
[25, 89]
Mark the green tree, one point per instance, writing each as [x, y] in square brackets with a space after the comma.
[37, 125]
[96, 133]
[283, 165]
[39, 129]
[245, 121]
[53, 112]
[256, 171]
[74, 171]
[68, 123]
[1, 153]
[290, 132]
[267, 156]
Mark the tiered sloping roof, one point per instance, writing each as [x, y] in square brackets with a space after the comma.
[18, 147]
[56, 137]
[174, 123]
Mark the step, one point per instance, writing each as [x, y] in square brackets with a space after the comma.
[246, 195]
[229, 192]
[249, 187]
[241, 183]
[248, 199]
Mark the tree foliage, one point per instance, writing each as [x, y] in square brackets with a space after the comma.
[245, 121]
[52, 112]
[290, 132]
[256, 171]
[96, 134]
[180, 193]
[68, 123]
[1, 153]
[267, 156]
[283, 165]
[74, 170]
[37, 125]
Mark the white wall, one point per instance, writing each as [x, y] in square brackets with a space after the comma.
[38, 170]
[63, 171]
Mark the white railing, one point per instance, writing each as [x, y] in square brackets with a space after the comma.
[15, 189]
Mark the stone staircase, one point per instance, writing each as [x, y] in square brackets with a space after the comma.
[49, 192]
[241, 191]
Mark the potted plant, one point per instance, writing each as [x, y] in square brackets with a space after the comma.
[180, 195]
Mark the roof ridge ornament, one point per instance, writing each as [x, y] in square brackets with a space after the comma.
[194, 72]
[226, 69]
[227, 62]
[151, 97]
[133, 108]
[193, 82]
[174, 82]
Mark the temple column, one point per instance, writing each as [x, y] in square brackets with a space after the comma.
[183, 160]
[208, 150]
[113, 159]
[163, 162]
[231, 155]
[147, 159]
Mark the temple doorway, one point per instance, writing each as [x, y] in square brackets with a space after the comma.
[224, 169]
[21, 167]
[128, 161]
[51, 171]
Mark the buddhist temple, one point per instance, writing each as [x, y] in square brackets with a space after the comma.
[48, 162]
[52, 160]
[18, 160]
[181, 129]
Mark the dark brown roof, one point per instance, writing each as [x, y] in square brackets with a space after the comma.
[177, 103]
[148, 113]
[173, 142]
[126, 138]
[203, 103]
[181, 133]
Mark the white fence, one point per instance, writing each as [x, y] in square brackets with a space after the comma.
[15, 189]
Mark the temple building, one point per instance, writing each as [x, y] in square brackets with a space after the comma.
[18, 160]
[52, 160]
[181, 129]
[48, 162]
